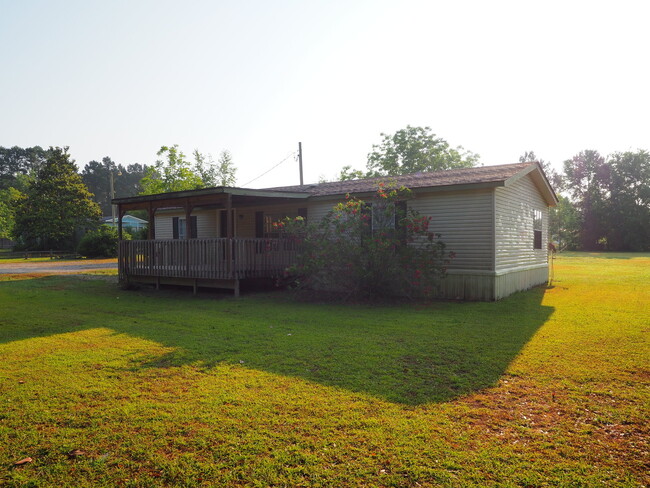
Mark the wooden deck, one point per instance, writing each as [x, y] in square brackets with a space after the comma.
[218, 263]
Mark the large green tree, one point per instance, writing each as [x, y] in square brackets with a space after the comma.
[415, 149]
[587, 177]
[56, 207]
[628, 206]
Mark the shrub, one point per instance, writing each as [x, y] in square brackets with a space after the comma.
[138, 234]
[100, 243]
[369, 249]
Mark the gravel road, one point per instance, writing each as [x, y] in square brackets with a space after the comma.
[57, 267]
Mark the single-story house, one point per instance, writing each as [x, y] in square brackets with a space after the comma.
[128, 222]
[494, 218]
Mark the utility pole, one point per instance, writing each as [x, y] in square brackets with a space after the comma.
[300, 161]
[112, 196]
[119, 173]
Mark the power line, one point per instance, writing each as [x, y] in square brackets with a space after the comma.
[270, 169]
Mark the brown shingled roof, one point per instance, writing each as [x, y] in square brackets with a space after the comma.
[465, 176]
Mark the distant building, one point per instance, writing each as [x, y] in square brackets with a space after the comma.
[129, 222]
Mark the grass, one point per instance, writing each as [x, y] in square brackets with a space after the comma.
[546, 388]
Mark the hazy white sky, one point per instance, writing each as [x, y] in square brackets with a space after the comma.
[122, 78]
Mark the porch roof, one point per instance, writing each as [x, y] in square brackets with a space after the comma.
[208, 197]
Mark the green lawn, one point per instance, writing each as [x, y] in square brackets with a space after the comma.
[546, 388]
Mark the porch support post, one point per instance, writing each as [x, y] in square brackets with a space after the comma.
[188, 235]
[119, 221]
[188, 220]
[151, 230]
[229, 243]
[229, 228]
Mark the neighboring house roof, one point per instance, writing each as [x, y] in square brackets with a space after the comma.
[129, 218]
[455, 179]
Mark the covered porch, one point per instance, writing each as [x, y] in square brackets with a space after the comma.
[233, 241]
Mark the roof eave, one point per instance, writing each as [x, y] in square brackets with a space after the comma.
[210, 191]
[422, 189]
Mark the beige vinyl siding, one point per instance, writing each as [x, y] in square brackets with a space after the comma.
[464, 220]
[318, 210]
[163, 226]
[206, 223]
[514, 225]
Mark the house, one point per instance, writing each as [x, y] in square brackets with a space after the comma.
[494, 218]
[129, 222]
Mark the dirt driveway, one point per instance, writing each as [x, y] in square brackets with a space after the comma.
[57, 267]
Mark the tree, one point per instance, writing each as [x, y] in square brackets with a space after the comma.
[173, 174]
[17, 161]
[416, 149]
[586, 178]
[126, 181]
[628, 207]
[55, 207]
[564, 224]
[348, 173]
[221, 173]
[176, 173]
[8, 199]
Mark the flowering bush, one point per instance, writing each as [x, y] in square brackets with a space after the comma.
[367, 249]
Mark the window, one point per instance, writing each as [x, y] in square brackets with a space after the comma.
[179, 227]
[383, 217]
[537, 229]
[389, 217]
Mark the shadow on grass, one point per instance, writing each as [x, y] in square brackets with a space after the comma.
[405, 354]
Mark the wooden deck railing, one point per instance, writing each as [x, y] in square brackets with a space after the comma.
[221, 259]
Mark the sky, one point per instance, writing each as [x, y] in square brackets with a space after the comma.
[123, 78]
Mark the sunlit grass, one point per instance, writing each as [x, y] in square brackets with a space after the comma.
[548, 387]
